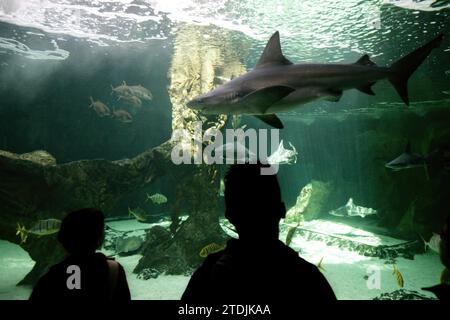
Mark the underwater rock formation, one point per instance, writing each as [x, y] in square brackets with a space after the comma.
[403, 294]
[196, 68]
[34, 187]
[310, 203]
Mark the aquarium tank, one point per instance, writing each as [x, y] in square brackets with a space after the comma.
[113, 105]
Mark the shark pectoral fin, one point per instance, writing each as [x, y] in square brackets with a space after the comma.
[367, 89]
[271, 120]
[260, 100]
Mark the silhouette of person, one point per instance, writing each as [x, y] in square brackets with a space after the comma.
[85, 274]
[257, 266]
[442, 290]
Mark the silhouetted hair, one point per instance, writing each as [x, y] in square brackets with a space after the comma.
[82, 231]
[249, 194]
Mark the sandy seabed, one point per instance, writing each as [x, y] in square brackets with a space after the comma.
[346, 271]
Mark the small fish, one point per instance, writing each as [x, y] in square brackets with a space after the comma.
[138, 213]
[211, 248]
[290, 234]
[131, 100]
[157, 198]
[122, 116]
[99, 107]
[398, 276]
[141, 92]
[41, 228]
[434, 242]
[320, 265]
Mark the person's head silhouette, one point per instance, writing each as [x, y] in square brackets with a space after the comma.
[253, 202]
[82, 231]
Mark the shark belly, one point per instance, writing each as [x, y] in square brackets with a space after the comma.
[311, 85]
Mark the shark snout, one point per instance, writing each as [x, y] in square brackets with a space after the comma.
[196, 103]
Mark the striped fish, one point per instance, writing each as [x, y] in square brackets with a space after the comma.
[398, 277]
[211, 248]
[41, 228]
[157, 198]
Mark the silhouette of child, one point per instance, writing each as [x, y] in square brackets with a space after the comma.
[85, 274]
[257, 266]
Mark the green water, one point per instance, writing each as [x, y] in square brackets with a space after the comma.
[55, 55]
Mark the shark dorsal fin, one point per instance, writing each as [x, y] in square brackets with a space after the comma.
[408, 147]
[365, 61]
[272, 54]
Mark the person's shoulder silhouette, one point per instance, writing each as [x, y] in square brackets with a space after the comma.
[257, 266]
[85, 274]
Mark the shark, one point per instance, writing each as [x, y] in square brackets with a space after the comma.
[433, 163]
[407, 160]
[278, 85]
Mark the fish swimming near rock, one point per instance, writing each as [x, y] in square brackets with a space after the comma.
[41, 228]
[157, 198]
[138, 213]
[128, 245]
[434, 243]
[398, 276]
[433, 163]
[210, 249]
[352, 210]
[290, 233]
[99, 107]
[122, 116]
[277, 85]
[121, 90]
[320, 265]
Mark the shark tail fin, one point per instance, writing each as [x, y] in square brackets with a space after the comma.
[402, 70]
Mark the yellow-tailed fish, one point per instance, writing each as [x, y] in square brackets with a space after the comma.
[41, 228]
[320, 265]
[211, 248]
[445, 276]
[138, 213]
[398, 277]
[290, 233]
